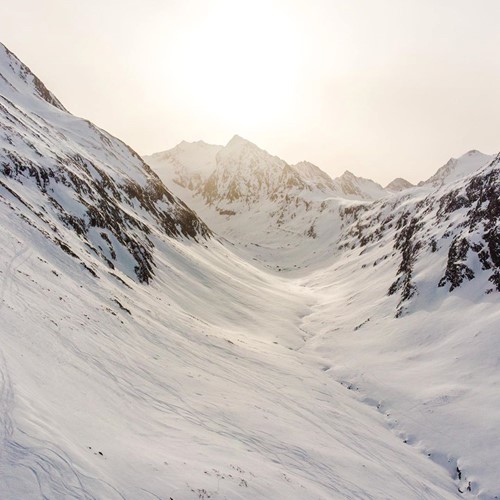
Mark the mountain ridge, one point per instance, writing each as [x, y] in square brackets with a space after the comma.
[89, 180]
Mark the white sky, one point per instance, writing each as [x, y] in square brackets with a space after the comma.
[383, 88]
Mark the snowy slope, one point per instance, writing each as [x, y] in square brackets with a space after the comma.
[82, 188]
[414, 295]
[179, 389]
[457, 168]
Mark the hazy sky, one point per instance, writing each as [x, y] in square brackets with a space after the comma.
[384, 88]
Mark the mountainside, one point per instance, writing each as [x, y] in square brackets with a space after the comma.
[456, 226]
[80, 187]
[332, 340]
[456, 168]
[399, 184]
[409, 319]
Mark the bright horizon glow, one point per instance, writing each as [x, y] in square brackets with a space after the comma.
[384, 89]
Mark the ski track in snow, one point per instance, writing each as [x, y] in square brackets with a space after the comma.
[44, 470]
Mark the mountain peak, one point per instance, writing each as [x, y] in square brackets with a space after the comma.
[473, 152]
[399, 184]
[353, 186]
[238, 141]
[348, 175]
[18, 78]
[456, 168]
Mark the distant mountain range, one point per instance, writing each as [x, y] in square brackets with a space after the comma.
[247, 194]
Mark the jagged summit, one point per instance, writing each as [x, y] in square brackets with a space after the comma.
[315, 176]
[247, 173]
[239, 153]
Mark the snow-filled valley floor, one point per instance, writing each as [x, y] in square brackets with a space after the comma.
[223, 380]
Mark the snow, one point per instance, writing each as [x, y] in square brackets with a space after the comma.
[457, 168]
[420, 370]
[399, 184]
[352, 187]
[262, 362]
[200, 388]
[199, 158]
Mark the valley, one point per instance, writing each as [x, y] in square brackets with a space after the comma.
[212, 322]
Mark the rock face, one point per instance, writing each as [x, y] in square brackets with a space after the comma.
[66, 177]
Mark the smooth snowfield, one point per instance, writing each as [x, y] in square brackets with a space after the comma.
[201, 390]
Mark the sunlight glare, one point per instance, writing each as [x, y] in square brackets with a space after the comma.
[240, 64]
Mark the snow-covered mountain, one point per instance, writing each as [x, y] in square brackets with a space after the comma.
[315, 177]
[457, 168]
[79, 186]
[248, 195]
[189, 164]
[350, 186]
[353, 354]
[399, 184]
[242, 170]
[421, 256]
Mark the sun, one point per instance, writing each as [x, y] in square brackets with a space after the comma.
[240, 63]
